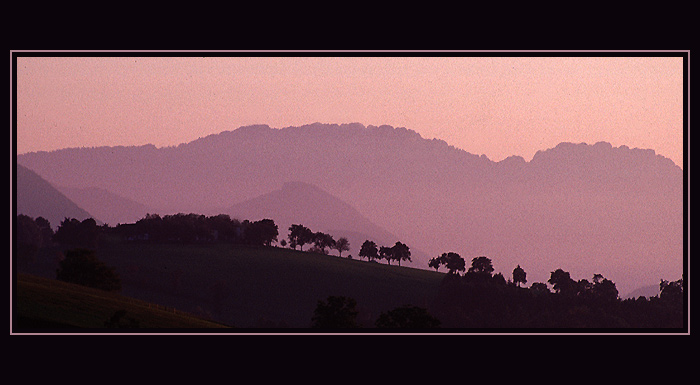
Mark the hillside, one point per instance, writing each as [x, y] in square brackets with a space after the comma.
[48, 305]
[261, 287]
[587, 208]
[37, 197]
[303, 203]
[109, 207]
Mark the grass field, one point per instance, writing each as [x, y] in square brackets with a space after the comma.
[46, 305]
[239, 286]
[262, 287]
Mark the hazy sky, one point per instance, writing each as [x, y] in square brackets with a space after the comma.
[497, 106]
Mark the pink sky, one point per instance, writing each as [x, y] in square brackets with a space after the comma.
[497, 106]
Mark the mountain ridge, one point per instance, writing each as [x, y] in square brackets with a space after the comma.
[565, 205]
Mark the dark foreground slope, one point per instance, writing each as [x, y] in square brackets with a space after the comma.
[44, 304]
[248, 287]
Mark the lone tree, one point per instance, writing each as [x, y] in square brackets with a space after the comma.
[481, 265]
[369, 250]
[322, 241]
[401, 252]
[337, 312]
[519, 275]
[300, 235]
[342, 244]
[82, 267]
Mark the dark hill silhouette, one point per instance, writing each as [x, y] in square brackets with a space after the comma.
[303, 203]
[584, 208]
[38, 198]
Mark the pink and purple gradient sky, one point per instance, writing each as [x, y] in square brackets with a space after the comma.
[497, 106]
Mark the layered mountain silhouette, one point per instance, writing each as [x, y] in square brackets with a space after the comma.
[585, 208]
[303, 203]
[110, 208]
[38, 198]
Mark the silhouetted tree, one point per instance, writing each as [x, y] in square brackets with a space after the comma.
[336, 312]
[604, 289]
[46, 230]
[519, 276]
[76, 234]
[561, 282]
[369, 250]
[29, 239]
[454, 262]
[407, 317]
[262, 232]
[300, 235]
[481, 265]
[322, 241]
[400, 252]
[539, 288]
[224, 228]
[342, 244]
[436, 262]
[81, 266]
[498, 279]
[386, 253]
[671, 291]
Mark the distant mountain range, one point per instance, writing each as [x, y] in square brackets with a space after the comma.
[303, 203]
[38, 198]
[586, 208]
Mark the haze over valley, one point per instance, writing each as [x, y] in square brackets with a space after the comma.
[586, 208]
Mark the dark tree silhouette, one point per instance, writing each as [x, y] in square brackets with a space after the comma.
[436, 262]
[342, 244]
[561, 282]
[300, 235]
[454, 262]
[224, 228]
[46, 230]
[386, 253]
[407, 317]
[76, 234]
[262, 232]
[29, 239]
[481, 265]
[336, 312]
[519, 276]
[671, 291]
[539, 288]
[322, 241]
[81, 266]
[369, 250]
[400, 252]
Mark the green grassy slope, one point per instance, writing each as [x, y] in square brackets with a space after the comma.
[43, 304]
[249, 287]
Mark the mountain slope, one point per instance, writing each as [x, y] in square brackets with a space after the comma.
[584, 208]
[38, 198]
[109, 207]
[303, 203]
